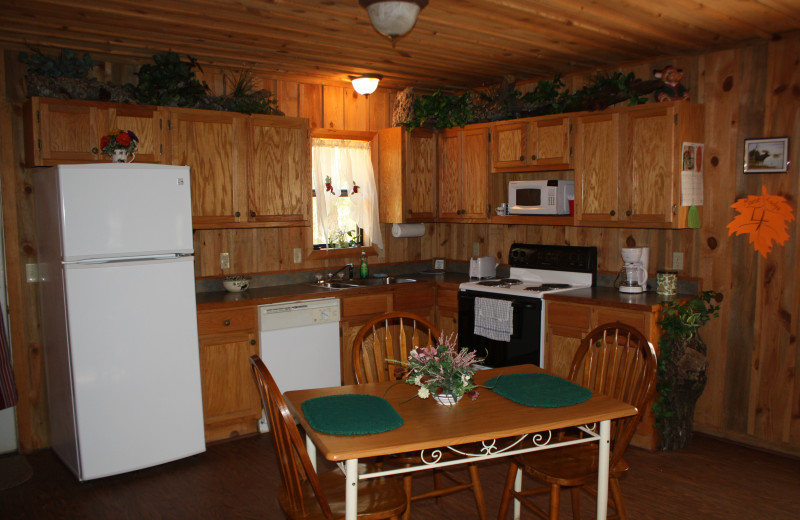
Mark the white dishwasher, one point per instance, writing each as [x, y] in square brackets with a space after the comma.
[299, 343]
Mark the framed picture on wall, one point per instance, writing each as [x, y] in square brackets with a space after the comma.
[766, 155]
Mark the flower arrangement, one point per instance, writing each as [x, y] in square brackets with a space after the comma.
[442, 369]
[119, 140]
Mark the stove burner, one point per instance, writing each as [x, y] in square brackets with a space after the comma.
[503, 282]
[548, 287]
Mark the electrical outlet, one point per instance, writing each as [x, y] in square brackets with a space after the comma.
[476, 248]
[32, 272]
[677, 261]
[298, 254]
[224, 260]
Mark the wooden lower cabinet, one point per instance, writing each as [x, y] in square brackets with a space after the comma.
[567, 323]
[231, 405]
[447, 310]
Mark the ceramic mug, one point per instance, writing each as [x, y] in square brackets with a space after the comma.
[667, 283]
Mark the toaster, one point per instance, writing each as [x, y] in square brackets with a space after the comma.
[482, 267]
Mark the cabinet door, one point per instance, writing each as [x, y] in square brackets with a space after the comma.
[550, 143]
[597, 168]
[279, 174]
[509, 145]
[450, 174]
[229, 395]
[475, 173]
[214, 146]
[649, 164]
[447, 310]
[145, 122]
[420, 186]
[64, 132]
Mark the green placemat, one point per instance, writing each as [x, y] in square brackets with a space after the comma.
[351, 414]
[541, 390]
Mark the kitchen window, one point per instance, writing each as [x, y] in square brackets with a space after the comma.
[345, 195]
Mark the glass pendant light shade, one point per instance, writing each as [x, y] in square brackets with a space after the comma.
[393, 18]
[366, 83]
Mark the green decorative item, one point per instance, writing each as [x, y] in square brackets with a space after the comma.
[170, 82]
[243, 96]
[440, 110]
[682, 366]
[693, 218]
[65, 65]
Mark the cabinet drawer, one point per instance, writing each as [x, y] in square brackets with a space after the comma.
[573, 316]
[415, 299]
[637, 320]
[226, 320]
[447, 299]
[371, 304]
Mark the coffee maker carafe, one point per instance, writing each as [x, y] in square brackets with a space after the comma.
[632, 278]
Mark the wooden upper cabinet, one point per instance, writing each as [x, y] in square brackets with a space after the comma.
[532, 144]
[407, 172]
[464, 173]
[214, 146]
[68, 131]
[247, 171]
[627, 165]
[279, 173]
[596, 168]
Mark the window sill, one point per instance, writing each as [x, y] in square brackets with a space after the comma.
[345, 252]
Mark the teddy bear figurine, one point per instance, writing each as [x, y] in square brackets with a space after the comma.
[672, 89]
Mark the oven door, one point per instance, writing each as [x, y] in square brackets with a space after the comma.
[525, 344]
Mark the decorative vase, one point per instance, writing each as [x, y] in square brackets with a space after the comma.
[447, 399]
[121, 155]
[685, 375]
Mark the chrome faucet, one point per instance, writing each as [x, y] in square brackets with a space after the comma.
[346, 266]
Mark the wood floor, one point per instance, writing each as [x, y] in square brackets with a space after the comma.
[709, 480]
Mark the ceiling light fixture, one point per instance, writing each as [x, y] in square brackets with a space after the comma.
[393, 18]
[366, 83]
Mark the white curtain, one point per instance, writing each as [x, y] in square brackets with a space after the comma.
[346, 164]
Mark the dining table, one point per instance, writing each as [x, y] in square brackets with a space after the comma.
[489, 427]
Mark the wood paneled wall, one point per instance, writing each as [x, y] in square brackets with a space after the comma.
[752, 394]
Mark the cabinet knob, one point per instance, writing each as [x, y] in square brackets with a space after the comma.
[410, 212]
[252, 342]
[674, 209]
[613, 212]
[533, 157]
[95, 150]
[227, 323]
[253, 214]
[628, 213]
[521, 158]
[237, 214]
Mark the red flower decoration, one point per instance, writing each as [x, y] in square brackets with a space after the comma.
[124, 139]
[355, 189]
[104, 141]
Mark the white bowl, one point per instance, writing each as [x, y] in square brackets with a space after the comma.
[236, 284]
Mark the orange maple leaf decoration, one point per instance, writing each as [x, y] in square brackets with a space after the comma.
[764, 217]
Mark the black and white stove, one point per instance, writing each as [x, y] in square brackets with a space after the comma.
[535, 270]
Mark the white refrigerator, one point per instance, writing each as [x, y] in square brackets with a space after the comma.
[119, 321]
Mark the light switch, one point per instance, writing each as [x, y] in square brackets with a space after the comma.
[32, 272]
[677, 261]
[298, 255]
[476, 248]
[224, 260]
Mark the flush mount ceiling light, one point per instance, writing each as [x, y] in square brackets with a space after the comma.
[393, 18]
[366, 83]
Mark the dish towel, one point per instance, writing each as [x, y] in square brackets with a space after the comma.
[493, 319]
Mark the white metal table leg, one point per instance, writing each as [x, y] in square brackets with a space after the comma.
[602, 469]
[351, 489]
[517, 488]
[311, 448]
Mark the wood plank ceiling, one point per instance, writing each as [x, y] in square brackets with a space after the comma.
[455, 44]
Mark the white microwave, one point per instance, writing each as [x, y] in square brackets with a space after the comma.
[540, 197]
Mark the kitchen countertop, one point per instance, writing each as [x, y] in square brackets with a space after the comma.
[608, 296]
[611, 297]
[305, 291]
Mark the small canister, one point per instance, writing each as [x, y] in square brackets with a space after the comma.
[667, 283]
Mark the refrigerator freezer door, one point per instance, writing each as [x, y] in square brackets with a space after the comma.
[133, 350]
[123, 210]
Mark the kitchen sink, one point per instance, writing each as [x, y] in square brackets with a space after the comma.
[366, 282]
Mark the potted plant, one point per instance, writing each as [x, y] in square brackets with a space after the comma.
[442, 371]
[119, 144]
[682, 365]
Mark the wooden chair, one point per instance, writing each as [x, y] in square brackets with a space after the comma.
[392, 336]
[304, 494]
[613, 359]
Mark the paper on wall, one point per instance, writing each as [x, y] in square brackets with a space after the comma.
[692, 174]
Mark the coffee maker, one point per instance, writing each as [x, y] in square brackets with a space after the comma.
[632, 278]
